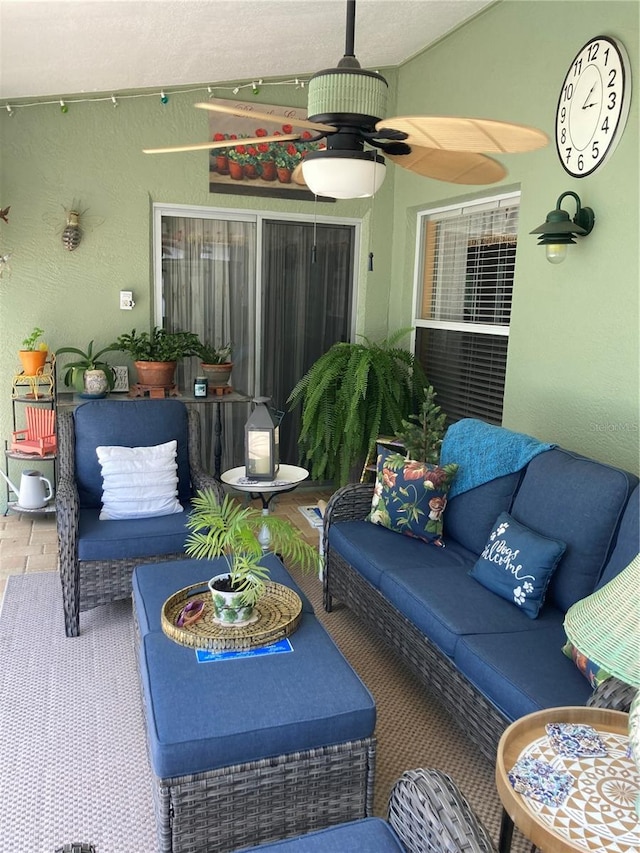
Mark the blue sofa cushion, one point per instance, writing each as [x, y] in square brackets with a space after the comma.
[628, 541]
[126, 539]
[522, 672]
[369, 835]
[128, 423]
[153, 583]
[517, 564]
[445, 603]
[470, 515]
[578, 501]
[279, 704]
[410, 497]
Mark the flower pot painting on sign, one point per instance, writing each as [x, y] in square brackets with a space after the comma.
[254, 167]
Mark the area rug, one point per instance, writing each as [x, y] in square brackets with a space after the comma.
[72, 746]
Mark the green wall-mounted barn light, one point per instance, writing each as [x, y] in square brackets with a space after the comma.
[558, 230]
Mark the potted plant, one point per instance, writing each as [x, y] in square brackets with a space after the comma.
[351, 395]
[227, 529]
[87, 374]
[216, 363]
[33, 354]
[156, 353]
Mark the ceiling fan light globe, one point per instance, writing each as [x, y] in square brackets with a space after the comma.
[344, 174]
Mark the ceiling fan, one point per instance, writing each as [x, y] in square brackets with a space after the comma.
[346, 106]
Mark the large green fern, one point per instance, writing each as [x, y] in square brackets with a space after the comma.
[351, 395]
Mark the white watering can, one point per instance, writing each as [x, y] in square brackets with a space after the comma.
[35, 490]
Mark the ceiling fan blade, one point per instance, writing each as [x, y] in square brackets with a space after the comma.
[254, 114]
[226, 143]
[455, 167]
[466, 134]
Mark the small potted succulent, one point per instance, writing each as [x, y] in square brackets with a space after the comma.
[227, 529]
[156, 353]
[216, 363]
[33, 354]
[87, 374]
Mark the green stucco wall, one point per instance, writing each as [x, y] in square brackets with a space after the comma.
[572, 375]
[573, 357]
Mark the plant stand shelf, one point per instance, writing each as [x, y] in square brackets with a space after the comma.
[154, 391]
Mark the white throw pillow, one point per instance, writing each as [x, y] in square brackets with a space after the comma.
[139, 482]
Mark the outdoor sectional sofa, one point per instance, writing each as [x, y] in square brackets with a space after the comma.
[483, 657]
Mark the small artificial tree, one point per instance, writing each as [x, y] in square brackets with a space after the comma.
[421, 435]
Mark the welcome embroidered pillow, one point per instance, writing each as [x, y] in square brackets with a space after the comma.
[517, 564]
[410, 497]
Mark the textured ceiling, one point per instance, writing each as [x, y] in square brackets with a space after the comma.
[65, 47]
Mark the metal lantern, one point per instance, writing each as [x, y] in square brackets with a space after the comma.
[261, 442]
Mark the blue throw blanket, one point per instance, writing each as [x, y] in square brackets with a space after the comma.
[484, 452]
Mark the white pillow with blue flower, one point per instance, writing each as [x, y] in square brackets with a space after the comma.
[517, 564]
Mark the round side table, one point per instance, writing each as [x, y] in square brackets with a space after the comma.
[287, 479]
[599, 813]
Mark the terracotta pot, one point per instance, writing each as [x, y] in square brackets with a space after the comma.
[235, 170]
[284, 175]
[32, 361]
[158, 374]
[217, 374]
[269, 171]
[250, 171]
[222, 164]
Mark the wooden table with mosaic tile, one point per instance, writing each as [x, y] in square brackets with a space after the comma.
[599, 813]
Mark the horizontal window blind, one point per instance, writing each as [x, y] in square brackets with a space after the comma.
[464, 309]
[466, 370]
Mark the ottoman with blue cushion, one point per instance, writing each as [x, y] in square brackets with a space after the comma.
[255, 748]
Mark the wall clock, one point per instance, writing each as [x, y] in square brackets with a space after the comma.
[593, 105]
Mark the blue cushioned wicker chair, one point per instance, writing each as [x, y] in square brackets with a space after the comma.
[97, 558]
[427, 814]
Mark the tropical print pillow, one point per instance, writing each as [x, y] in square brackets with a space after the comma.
[410, 497]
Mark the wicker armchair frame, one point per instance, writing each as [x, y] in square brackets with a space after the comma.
[90, 583]
[428, 812]
[470, 710]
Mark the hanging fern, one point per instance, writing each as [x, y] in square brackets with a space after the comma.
[351, 395]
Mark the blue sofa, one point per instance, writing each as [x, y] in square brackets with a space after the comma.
[486, 660]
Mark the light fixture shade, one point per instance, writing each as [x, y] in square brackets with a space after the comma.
[605, 626]
[261, 443]
[343, 174]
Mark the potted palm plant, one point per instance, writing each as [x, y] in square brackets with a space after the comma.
[88, 375]
[216, 363]
[156, 353]
[227, 529]
[352, 394]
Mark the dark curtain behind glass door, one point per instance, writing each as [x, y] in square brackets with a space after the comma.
[306, 307]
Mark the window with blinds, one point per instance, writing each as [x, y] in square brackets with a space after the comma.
[465, 282]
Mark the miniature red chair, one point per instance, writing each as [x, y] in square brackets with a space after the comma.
[40, 435]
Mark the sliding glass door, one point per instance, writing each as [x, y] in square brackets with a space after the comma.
[280, 290]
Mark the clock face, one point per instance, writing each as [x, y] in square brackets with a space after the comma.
[593, 106]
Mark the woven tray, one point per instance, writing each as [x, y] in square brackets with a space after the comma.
[279, 613]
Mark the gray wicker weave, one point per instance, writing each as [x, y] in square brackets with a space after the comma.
[88, 584]
[471, 711]
[430, 815]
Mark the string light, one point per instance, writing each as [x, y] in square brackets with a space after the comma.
[164, 96]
